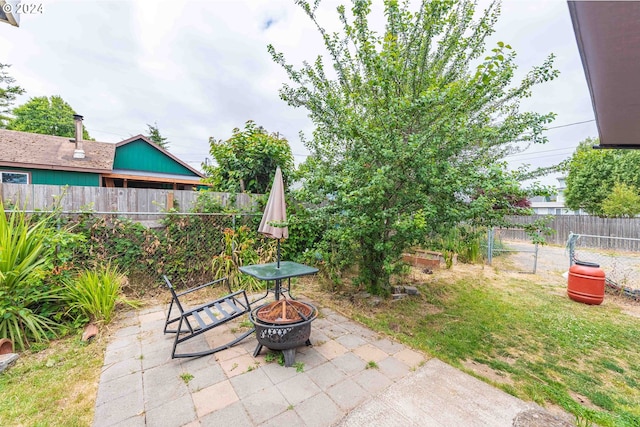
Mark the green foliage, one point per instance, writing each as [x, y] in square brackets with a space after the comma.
[465, 242]
[592, 175]
[48, 116]
[144, 254]
[208, 201]
[304, 232]
[156, 137]
[247, 161]
[27, 303]
[94, 293]
[182, 241]
[242, 247]
[408, 138]
[623, 201]
[8, 93]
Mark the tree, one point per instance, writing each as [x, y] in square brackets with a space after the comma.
[592, 175]
[154, 135]
[247, 161]
[623, 201]
[8, 94]
[408, 138]
[48, 116]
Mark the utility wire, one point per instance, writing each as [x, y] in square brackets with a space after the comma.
[307, 155]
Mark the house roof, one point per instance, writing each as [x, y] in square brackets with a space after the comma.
[162, 150]
[608, 37]
[32, 150]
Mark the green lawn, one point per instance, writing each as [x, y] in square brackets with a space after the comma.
[55, 387]
[540, 345]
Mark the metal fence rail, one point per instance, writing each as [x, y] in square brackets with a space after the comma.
[622, 268]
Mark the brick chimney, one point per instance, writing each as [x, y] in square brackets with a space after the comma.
[78, 153]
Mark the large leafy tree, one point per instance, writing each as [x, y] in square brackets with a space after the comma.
[156, 136]
[592, 175]
[48, 116]
[409, 135]
[247, 161]
[8, 93]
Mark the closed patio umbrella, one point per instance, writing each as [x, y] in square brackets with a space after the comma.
[275, 213]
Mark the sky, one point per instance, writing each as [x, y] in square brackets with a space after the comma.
[199, 69]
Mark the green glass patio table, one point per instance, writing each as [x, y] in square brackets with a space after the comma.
[270, 272]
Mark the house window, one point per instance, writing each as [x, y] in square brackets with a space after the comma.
[11, 177]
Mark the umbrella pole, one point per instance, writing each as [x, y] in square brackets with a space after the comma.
[278, 281]
[278, 256]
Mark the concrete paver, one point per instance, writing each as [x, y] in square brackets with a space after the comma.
[141, 385]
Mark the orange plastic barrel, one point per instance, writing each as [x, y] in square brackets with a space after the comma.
[586, 283]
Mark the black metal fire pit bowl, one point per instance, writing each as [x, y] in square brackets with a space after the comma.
[285, 337]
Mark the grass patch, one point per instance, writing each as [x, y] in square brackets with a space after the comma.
[551, 348]
[55, 387]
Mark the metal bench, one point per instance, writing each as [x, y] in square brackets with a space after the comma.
[195, 321]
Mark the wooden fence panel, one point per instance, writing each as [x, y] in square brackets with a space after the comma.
[625, 228]
[103, 199]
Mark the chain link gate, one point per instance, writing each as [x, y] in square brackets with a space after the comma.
[496, 247]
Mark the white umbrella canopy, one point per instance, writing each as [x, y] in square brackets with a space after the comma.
[275, 212]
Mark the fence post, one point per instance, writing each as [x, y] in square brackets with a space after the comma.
[572, 247]
[490, 245]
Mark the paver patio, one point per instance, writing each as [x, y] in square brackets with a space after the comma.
[141, 385]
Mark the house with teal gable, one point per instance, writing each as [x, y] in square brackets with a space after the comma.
[137, 162]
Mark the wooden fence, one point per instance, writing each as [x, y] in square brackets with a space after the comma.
[626, 228]
[103, 199]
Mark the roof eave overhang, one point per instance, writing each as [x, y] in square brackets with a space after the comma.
[168, 180]
[608, 38]
[52, 167]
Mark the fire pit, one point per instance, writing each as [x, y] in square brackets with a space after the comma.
[283, 325]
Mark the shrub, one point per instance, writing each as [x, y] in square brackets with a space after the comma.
[94, 293]
[26, 301]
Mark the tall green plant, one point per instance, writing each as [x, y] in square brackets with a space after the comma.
[242, 247]
[24, 256]
[94, 293]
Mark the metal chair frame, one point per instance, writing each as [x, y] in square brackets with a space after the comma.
[198, 320]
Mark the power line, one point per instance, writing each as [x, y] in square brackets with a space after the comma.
[571, 124]
[307, 155]
[541, 151]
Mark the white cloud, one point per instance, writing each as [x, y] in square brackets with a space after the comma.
[201, 68]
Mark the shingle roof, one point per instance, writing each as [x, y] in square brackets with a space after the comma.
[32, 150]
